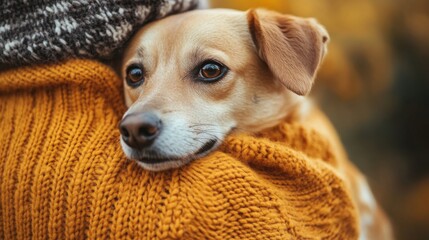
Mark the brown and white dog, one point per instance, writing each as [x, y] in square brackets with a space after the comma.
[193, 78]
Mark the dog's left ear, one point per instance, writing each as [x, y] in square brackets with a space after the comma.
[292, 47]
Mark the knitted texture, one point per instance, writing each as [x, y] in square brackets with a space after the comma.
[63, 174]
[34, 31]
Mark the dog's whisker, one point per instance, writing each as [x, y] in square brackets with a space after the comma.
[198, 140]
[210, 136]
[201, 139]
[213, 132]
[169, 111]
[201, 124]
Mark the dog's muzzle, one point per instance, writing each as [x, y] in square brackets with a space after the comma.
[139, 134]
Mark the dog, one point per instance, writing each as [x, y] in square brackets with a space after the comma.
[195, 89]
[192, 79]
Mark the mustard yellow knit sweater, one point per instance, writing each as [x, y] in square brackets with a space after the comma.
[63, 174]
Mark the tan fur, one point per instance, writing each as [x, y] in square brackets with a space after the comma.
[272, 60]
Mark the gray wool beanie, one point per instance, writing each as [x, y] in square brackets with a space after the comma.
[42, 31]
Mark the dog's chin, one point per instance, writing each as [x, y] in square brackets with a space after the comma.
[159, 162]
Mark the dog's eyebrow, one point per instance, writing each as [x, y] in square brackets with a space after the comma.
[140, 51]
[199, 54]
[196, 53]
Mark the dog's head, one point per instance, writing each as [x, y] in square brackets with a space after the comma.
[192, 78]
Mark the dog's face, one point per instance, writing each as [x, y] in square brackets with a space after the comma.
[193, 78]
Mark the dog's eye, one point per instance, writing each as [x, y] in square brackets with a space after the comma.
[135, 76]
[211, 71]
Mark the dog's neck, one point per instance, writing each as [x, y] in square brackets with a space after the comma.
[300, 111]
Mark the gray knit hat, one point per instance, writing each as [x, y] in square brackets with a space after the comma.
[33, 31]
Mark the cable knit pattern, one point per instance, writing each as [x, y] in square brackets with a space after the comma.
[34, 31]
[63, 174]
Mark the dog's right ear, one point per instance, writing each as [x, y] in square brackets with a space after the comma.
[292, 47]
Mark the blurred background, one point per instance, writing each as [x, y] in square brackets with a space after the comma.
[374, 86]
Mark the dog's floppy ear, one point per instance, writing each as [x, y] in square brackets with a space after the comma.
[292, 47]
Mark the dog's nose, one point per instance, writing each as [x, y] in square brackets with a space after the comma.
[139, 130]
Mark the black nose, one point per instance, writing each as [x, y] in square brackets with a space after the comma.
[139, 130]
